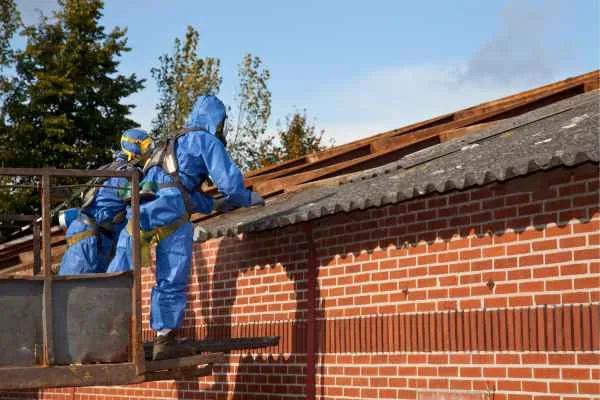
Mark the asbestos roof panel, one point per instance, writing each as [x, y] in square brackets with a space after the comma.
[563, 133]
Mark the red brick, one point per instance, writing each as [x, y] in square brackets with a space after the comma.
[575, 297]
[547, 299]
[470, 372]
[482, 358]
[561, 359]
[533, 358]
[470, 304]
[546, 373]
[587, 283]
[505, 288]
[563, 284]
[544, 245]
[560, 257]
[481, 265]
[589, 388]
[563, 387]
[534, 259]
[588, 359]
[591, 226]
[545, 272]
[577, 241]
[514, 386]
[587, 254]
[576, 373]
[460, 384]
[495, 302]
[507, 358]
[497, 251]
[505, 262]
[524, 273]
[518, 249]
[495, 372]
[537, 286]
[451, 280]
[520, 372]
[470, 254]
[535, 386]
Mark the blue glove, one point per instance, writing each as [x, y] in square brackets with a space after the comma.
[256, 200]
[223, 206]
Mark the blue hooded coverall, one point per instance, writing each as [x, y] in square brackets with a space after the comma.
[92, 254]
[200, 155]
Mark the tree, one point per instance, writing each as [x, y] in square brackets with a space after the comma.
[10, 21]
[65, 109]
[297, 138]
[253, 110]
[181, 78]
[64, 106]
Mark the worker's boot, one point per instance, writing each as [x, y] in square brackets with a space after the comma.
[167, 346]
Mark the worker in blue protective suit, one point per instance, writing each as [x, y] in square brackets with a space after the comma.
[178, 167]
[93, 230]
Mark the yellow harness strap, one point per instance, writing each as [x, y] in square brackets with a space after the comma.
[148, 238]
[78, 237]
[164, 231]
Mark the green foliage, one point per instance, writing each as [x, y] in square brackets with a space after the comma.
[10, 21]
[64, 109]
[253, 109]
[181, 78]
[297, 138]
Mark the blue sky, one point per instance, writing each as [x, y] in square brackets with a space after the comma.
[363, 67]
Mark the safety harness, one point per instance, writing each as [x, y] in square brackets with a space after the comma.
[165, 156]
[153, 236]
[95, 228]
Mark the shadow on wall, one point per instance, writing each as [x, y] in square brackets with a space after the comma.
[258, 373]
[480, 214]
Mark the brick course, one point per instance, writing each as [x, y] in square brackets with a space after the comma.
[489, 291]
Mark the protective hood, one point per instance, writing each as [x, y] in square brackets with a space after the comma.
[207, 113]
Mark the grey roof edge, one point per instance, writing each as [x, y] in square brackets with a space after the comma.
[469, 181]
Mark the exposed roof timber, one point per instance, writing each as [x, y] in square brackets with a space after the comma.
[588, 81]
[383, 148]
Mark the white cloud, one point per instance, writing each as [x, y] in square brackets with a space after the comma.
[525, 52]
[524, 48]
[392, 97]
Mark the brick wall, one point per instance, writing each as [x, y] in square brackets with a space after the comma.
[490, 293]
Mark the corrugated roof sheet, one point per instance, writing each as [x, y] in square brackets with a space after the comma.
[563, 133]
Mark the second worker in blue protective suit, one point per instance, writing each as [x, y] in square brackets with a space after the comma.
[91, 237]
[178, 168]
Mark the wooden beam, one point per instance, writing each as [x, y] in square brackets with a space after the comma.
[47, 325]
[418, 131]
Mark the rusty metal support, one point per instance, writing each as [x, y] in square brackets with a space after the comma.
[48, 334]
[37, 266]
[311, 297]
[137, 344]
[72, 173]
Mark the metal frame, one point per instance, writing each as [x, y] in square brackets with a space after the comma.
[49, 374]
[136, 369]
